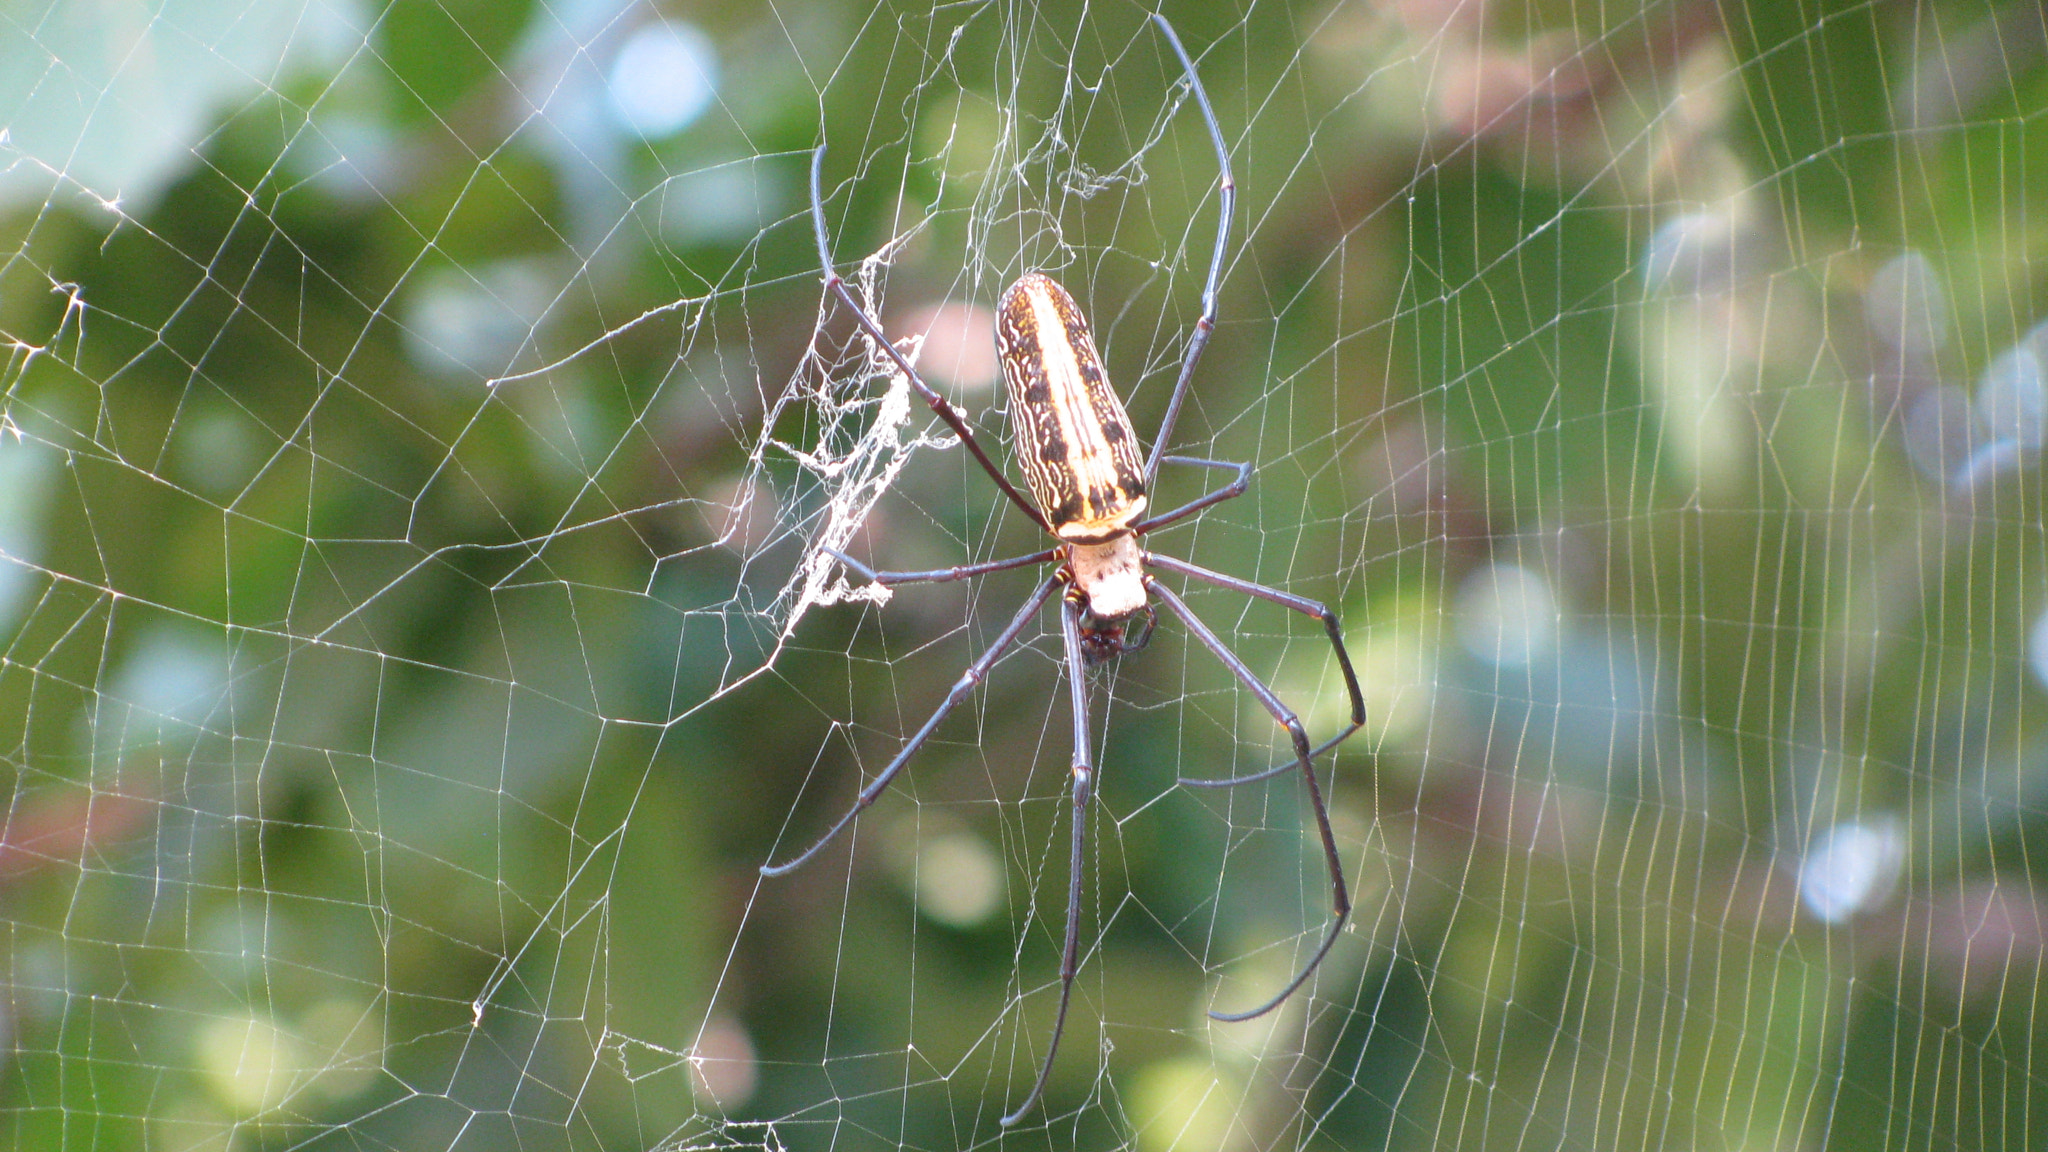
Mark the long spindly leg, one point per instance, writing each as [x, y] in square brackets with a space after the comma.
[937, 575]
[1229, 491]
[1302, 605]
[974, 675]
[1084, 790]
[939, 404]
[1340, 897]
[1226, 202]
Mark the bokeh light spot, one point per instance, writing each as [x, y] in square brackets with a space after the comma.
[663, 79]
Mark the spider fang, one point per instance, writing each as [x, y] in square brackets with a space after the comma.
[1105, 639]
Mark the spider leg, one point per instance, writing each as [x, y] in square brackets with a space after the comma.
[1084, 790]
[1279, 769]
[1286, 600]
[938, 575]
[939, 404]
[974, 675]
[1229, 491]
[1226, 201]
[1340, 898]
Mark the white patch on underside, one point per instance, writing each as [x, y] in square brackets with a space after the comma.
[1110, 576]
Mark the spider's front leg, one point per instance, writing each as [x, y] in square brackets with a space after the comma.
[1084, 790]
[1299, 604]
[1304, 756]
[975, 674]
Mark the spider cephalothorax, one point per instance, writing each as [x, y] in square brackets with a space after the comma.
[1089, 489]
[1105, 638]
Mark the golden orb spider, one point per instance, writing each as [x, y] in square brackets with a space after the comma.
[1080, 458]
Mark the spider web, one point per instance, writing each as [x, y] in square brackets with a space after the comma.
[424, 439]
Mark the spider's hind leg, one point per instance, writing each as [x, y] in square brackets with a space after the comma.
[1226, 202]
[939, 405]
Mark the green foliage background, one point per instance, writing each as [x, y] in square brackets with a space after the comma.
[397, 700]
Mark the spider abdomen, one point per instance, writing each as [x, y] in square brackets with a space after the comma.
[1073, 438]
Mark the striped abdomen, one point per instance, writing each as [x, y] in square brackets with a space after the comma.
[1073, 438]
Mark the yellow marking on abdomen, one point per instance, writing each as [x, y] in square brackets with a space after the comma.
[1074, 439]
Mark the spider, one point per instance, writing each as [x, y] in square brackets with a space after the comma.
[1079, 454]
